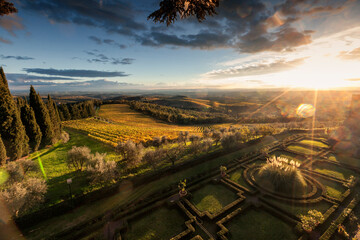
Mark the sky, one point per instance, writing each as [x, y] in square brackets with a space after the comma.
[109, 45]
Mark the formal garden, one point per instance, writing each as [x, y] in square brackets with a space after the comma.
[298, 189]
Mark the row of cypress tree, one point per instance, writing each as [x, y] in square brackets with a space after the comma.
[25, 126]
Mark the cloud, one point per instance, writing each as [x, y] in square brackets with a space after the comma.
[351, 55]
[254, 69]
[92, 85]
[74, 72]
[11, 23]
[249, 26]
[205, 40]
[5, 41]
[102, 58]
[106, 41]
[22, 78]
[353, 79]
[16, 57]
[113, 16]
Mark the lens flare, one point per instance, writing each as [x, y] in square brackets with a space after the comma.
[3, 176]
[41, 167]
[305, 110]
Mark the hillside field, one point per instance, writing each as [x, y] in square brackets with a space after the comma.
[123, 124]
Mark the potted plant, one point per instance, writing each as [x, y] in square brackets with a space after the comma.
[182, 186]
[223, 170]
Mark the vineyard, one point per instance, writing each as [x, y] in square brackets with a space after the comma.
[118, 123]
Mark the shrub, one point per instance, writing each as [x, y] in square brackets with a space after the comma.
[27, 165]
[228, 141]
[216, 136]
[154, 157]
[78, 157]
[283, 175]
[131, 152]
[14, 171]
[175, 153]
[183, 137]
[23, 196]
[311, 220]
[194, 138]
[207, 144]
[64, 137]
[101, 170]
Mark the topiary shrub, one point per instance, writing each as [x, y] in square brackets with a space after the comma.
[282, 175]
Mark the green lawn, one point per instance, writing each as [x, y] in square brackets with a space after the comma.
[161, 224]
[314, 143]
[302, 150]
[333, 170]
[130, 194]
[345, 159]
[213, 197]
[57, 171]
[258, 224]
[298, 210]
[237, 177]
[333, 189]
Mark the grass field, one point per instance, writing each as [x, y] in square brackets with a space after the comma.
[57, 171]
[333, 189]
[314, 143]
[213, 197]
[302, 150]
[238, 178]
[345, 159]
[161, 224]
[127, 193]
[298, 210]
[333, 170]
[258, 224]
[126, 124]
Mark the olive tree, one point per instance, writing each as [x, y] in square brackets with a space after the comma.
[78, 157]
[23, 196]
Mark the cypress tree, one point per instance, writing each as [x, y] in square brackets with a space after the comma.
[32, 128]
[65, 112]
[54, 117]
[2, 153]
[42, 118]
[12, 130]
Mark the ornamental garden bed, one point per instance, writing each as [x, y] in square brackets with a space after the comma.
[297, 209]
[333, 189]
[314, 143]
[333, 170]
[161, 224]
[258, 224]
[213, 198]
[342, 158]
[237, 177]
[302, 150]
[288, 155]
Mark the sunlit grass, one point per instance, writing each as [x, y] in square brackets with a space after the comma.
[213, 198]
[161, 224]
[333, 170]
[314, 143]
[301, 149]
[257, 224]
